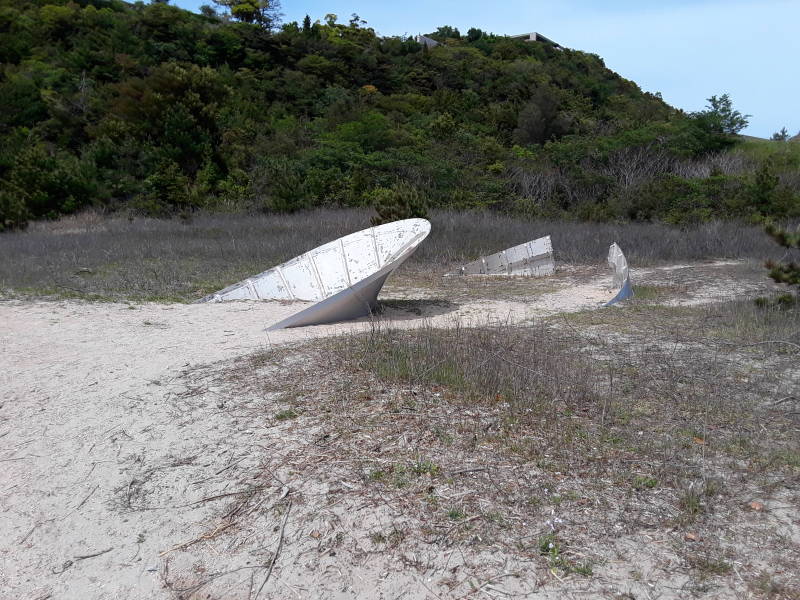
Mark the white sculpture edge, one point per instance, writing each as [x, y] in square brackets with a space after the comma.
[622, 277]
[531, 259]
[356, 301]
[343, 276]
[330, 268]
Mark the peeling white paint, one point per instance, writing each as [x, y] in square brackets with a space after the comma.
[531, 259]
[343, 276]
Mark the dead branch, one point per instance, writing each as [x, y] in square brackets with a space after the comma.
[277, 550]
[87, 497]
[218, 496]
[782, 400]
[205, 537]
[85, 556]
[468, 470]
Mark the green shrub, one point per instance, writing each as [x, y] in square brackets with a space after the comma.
[787, 272]
[51, 182]
[166, 190]
[401, 201]
[280, 185]
[13, 212]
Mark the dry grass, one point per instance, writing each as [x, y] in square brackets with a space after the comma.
[619, 446]
[566, 442]
[578, 398]
[90, 256]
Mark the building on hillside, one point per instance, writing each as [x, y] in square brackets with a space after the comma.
[534, 36]
[426, 41]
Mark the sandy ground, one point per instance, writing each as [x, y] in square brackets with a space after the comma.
[108, 459]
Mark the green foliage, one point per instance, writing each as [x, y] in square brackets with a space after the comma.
[263, 12]
[784, 157]
[401, 201]
[474, 34]
[541, 119]
[723, 116]
[48, 182]
[714, 129]
[444, 33]
[13, 211]
[166, 189]
[677, 200]
[780, 136]
[785, 272]
[768, 197]
[280, 185]
[371, 132]
[111, 104]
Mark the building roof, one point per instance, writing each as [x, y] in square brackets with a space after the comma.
[424, 39]
[534, 36]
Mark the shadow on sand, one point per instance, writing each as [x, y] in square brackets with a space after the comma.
[403, 310]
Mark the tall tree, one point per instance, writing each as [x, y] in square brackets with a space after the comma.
[726, 119]
[261, 12]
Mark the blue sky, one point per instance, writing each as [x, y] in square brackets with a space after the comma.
[687, 50]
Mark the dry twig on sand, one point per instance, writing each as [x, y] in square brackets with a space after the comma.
[277, 550]
[69, 563]
[203, 538]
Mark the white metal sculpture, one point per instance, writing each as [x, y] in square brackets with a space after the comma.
[532, 259]
[343, 277]
[622, 276]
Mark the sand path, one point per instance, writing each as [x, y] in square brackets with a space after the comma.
[101, 457]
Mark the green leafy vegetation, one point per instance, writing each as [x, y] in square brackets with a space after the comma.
[160, 111]
[285, 415]
[785, 272]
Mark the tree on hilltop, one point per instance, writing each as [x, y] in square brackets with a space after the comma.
[261, 12]
[724, 118]
[780, 136]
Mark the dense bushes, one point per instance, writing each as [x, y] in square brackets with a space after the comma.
[158, 110]
[639, 175]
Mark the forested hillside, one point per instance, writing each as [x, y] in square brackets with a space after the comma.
[153, 109]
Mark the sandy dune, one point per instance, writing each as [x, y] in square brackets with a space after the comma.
[103, 453]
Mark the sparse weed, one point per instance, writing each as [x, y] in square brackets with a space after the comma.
[584, 568]
[568, 402]
[642, 482]
[496, 517]
[376, 475]
[767, 585]
[548, 545]
[691, 505]
[400, 476]
[390, 539]
[456, 514]
[707, 564]
[650, 293]
[425, 467]
[285, 415]
[377, 538]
